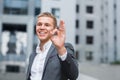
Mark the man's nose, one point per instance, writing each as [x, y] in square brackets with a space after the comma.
[42, 27]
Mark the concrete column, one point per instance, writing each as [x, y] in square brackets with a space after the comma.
[0, 35]
[1, 11]
[30, 32]
[1, 7]
[31, 4]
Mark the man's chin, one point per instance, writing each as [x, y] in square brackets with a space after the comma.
[42, 39]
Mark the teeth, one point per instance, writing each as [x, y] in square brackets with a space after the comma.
[42, 32]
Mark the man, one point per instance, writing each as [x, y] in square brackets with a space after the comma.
[53, 59]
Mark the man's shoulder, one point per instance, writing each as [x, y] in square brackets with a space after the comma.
[68, 45]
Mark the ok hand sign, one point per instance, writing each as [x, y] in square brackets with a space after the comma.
[58, 37]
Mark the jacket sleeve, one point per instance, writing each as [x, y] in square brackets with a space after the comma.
[70, 65]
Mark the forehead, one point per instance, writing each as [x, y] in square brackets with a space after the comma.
[45, 19]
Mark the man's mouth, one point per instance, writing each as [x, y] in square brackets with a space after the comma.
[42, 33]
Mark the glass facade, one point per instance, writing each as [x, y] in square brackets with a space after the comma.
[19, 7]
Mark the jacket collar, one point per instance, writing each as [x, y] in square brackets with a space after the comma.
[47, 58]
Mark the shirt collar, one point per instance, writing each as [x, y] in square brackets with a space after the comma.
[46, 46]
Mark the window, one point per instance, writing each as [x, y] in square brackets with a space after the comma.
[115, 38]
[77, 54]
[37, 11]
[13, 27]
[89, 39]
[77, 8]
[77, 39]
[89, 55]
[89, 9]
[18, 11]
[12, 68]
[77, 23]
[115, 6]
[37, 5]
[89, 24]
[17, 41]
[56, 12]
[115, 21]
[19, 7]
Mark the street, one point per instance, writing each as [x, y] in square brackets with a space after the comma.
[101, 71]
[87, 72]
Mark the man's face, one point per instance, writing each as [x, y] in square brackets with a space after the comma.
[43, 27]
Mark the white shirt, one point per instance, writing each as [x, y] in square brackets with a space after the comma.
[38, 63]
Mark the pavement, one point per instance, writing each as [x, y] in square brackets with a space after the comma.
[12, 76]
[100, 71]
[85, 77]
[87, 72]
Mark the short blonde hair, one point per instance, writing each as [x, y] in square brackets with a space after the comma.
[47, 14]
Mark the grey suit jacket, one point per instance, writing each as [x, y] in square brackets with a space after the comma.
[54, 68]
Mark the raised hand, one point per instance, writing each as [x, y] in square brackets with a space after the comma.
[58, 37]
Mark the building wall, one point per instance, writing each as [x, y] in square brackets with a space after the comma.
[66, 12]
[118, 28]
[105, 31]
[12, 17]
[111, 30]
[95, 16]
[105, 17]
[1, 9]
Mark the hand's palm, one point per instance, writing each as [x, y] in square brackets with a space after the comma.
[59, 38]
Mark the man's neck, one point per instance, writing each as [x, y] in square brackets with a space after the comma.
[42, 43]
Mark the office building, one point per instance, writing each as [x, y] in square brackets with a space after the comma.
[17, 35]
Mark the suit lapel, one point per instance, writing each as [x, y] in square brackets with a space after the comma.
[48, 55]
[31, 62]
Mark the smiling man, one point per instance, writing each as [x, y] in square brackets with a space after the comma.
[54, 59]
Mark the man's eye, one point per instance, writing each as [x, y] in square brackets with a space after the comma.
[47, 25]
[39, 24]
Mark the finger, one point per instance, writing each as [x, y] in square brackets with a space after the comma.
[62, 24]
[54, 32]
[54, 35]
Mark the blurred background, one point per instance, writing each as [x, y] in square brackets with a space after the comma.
[92, 26]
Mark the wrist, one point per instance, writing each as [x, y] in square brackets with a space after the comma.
[61, 51]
